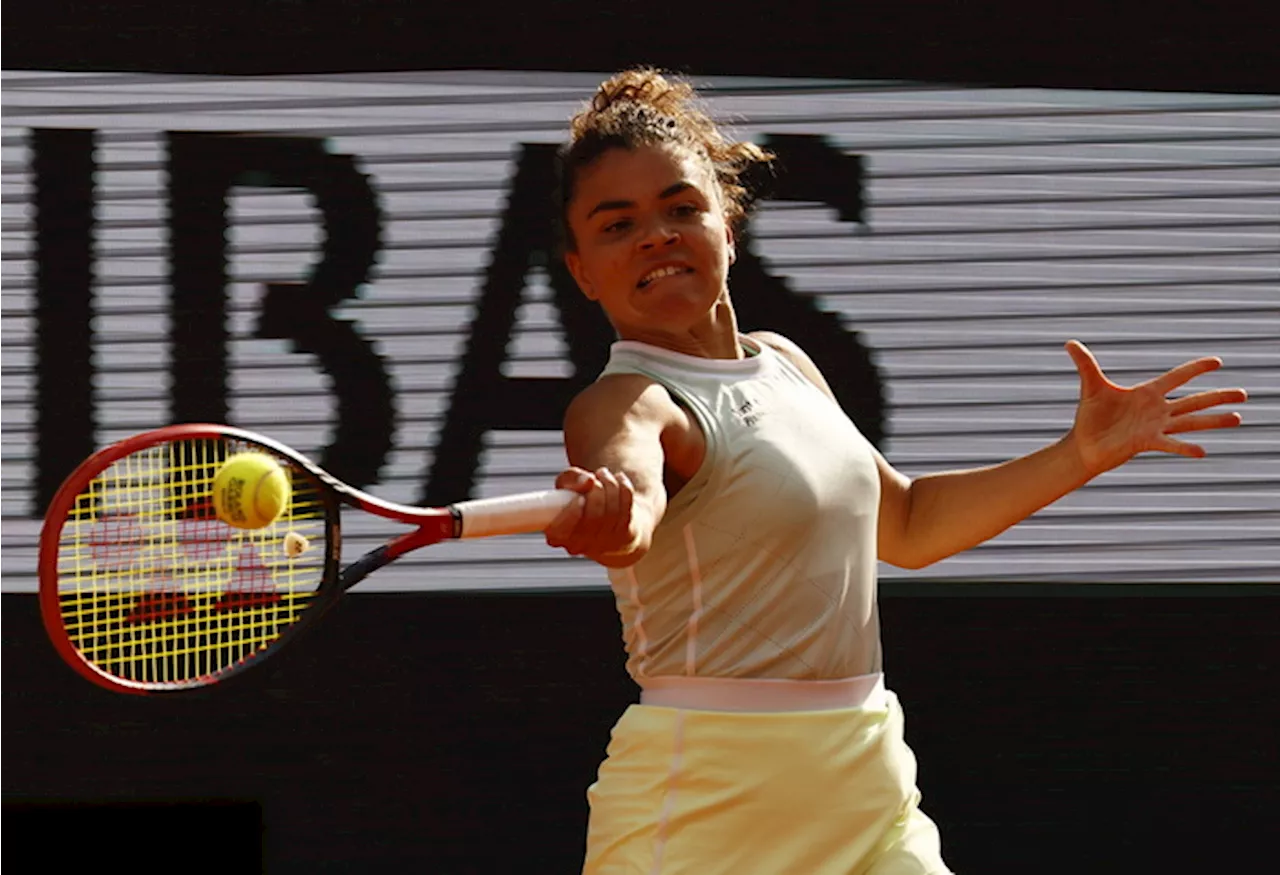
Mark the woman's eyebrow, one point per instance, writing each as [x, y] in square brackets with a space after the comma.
[669, 191]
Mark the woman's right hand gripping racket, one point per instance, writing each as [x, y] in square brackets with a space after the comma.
[145, 586]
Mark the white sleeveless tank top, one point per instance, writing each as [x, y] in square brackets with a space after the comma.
[764, 565]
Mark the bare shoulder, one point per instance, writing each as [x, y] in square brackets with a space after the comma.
[622, 414]
[778, 342]
[795, 355]
[615, 399]
[618, 407]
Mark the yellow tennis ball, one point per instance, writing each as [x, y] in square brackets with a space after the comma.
[250, 490]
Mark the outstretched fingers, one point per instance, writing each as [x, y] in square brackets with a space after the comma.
[1166, 444]
[1205, 400]
[1203, 422]
[1184, 415]
[1184, 373]
[1091, 375]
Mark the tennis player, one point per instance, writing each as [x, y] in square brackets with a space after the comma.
[741, 514]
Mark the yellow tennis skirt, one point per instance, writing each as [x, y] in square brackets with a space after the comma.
[816, 792]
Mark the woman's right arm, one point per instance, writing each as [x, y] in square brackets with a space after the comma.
[615, 432]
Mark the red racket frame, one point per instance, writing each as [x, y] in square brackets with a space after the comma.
[432, 526]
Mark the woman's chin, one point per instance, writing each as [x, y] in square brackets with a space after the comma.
[671, 297]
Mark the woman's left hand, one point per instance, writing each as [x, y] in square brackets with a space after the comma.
[1115, 423]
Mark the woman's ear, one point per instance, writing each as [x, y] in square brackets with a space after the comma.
[573, 261]
[730, 242]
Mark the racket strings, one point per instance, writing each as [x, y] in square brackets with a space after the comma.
[154, 588]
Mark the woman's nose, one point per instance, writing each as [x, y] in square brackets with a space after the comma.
[658, 233]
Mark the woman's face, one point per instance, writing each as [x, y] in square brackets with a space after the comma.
[652, 244]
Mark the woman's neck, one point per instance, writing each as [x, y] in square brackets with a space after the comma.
[716, 337]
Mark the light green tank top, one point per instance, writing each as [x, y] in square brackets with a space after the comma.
[765, 563]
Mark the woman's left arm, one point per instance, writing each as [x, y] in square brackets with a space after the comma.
[953, 511]
[938, 515]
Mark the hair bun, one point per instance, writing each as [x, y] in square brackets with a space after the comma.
[644, 85]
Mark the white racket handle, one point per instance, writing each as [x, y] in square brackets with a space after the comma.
[511, 514]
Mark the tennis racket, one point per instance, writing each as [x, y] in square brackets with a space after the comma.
[144, 589]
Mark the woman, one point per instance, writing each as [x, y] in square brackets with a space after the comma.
[741, 514]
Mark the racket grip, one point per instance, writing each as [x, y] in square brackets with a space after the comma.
[510, 514]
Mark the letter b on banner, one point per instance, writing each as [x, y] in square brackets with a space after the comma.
[202, 170]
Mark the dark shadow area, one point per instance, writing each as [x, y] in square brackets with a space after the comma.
[458, 733]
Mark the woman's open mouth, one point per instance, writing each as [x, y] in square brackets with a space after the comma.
[662, 273]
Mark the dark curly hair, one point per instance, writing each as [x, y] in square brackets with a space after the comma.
[644, 107]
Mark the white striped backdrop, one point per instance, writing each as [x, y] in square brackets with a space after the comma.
[1001, 223]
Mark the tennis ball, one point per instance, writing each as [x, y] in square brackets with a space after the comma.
[250, 490]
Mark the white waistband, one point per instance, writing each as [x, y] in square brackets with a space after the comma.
[763, 694]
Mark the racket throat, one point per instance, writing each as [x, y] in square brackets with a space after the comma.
[366, 565]
[394, 549]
